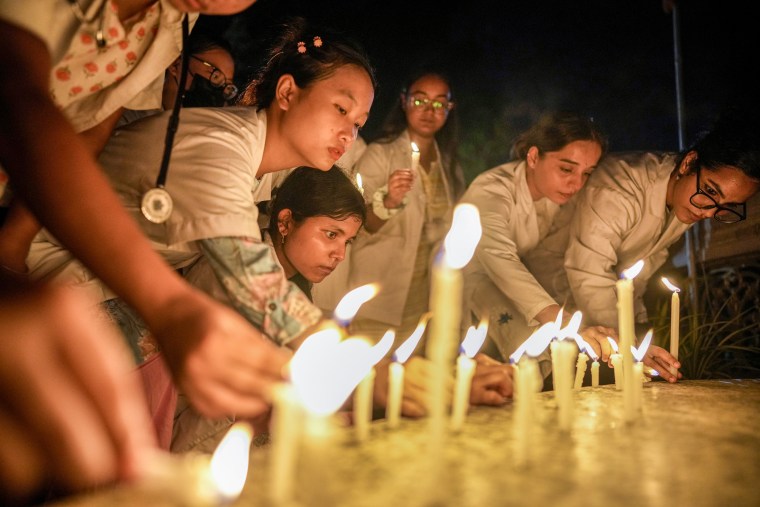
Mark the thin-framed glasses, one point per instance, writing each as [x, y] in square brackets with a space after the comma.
[728, 213]
[439, 106]
[219, 80]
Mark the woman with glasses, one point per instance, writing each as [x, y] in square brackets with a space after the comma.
[410, 196]
[634, 207]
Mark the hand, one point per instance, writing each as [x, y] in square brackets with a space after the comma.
[417, 373]
[596, 337]
[491, 383]
[661, 360]
[72, 411]
[399, 185]
[222, 363]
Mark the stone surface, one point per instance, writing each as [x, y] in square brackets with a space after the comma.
[696, 443]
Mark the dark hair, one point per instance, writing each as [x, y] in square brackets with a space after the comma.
[733, 140]
[308, 192]
[200, 42]
[447, 137]
[555, 130]
[324, 51]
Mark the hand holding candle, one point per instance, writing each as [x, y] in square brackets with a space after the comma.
[675, 321]
[465, 369]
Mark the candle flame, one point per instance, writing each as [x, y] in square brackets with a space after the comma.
[383, 346]
[325, 370]
[638, 353]
[229, 464]
[634, 270]
[463, 236]
[571, 330]
[536, 343]
[474, 339]
[670, 285]
[585, 347]
[359, 183]
[405, 349]
[614, 344]
[415, 148]
[350, 303]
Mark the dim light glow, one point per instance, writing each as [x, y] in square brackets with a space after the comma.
[349, 305]
[474, 339]
[463, 237]
[536, 343]
[630, 273]
[415, 148]
[229, 464]
[359, 183]
[614, 344]
[383, 346]
[669, 285]
[405, 349]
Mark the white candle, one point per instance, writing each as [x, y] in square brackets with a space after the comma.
[617, 364]
[359, 183]
[415, 158]
[363, 405]
[396, 372]
[595, 373]
[465, 371]
[638, 370]
[445, 305]
[580, 370]
[286, 436]
[527, 384]
[626, 331]
[675, 321]
[562, 369]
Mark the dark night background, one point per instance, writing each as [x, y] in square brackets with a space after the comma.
[511, 60]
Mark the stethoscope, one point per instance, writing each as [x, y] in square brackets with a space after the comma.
[157, 204]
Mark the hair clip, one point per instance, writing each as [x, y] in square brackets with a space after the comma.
[302, 47]
[317, 41]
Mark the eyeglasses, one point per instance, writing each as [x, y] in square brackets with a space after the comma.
[728, 213]
[440, 106]
[219, 80]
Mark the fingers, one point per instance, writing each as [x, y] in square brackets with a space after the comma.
[491, 385]
[661, 360]
[399, 184]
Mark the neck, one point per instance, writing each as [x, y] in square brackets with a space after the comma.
[279, 249]
[129, 8]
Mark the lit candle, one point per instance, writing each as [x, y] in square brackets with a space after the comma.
[415, 158]
[465, 369]
[594, 367]
[675, 321]
[396, 372]
[528, 382]
[638, 371]
[626, 331]
[362, 413]
[617, 364]
[445, 305]
[563, 356]
[359, 183]
[350, 303]
[324, 371]
[196, 479]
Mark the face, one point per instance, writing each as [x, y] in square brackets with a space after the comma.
[222, 7]
[321, 121]
[726, 185]
[315, 246]
[558, 175]
[216, 58]
[427, 105]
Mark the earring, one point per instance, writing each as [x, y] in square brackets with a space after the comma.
[282, 239]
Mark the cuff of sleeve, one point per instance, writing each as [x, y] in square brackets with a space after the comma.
[378, 204]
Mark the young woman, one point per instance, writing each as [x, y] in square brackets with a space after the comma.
[409, 207]
[518, 202]
[638, 204]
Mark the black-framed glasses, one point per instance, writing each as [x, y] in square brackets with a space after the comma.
[219, 80]
[439, 106]
[728, 213]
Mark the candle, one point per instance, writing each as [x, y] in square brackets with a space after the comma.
[675, 320]
[562, 367]
[528, 382]
[415, 158]
[359, 183]
[580, 369]
[465, 369]
[626, 331]
[396, 372]
[594, 367]
[617, 364]
[445, 305]
[362, 413]
[350, 303]
[638, 369]
[286, 436]
[196, 479]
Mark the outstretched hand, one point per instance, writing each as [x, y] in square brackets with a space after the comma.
[491, 383]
